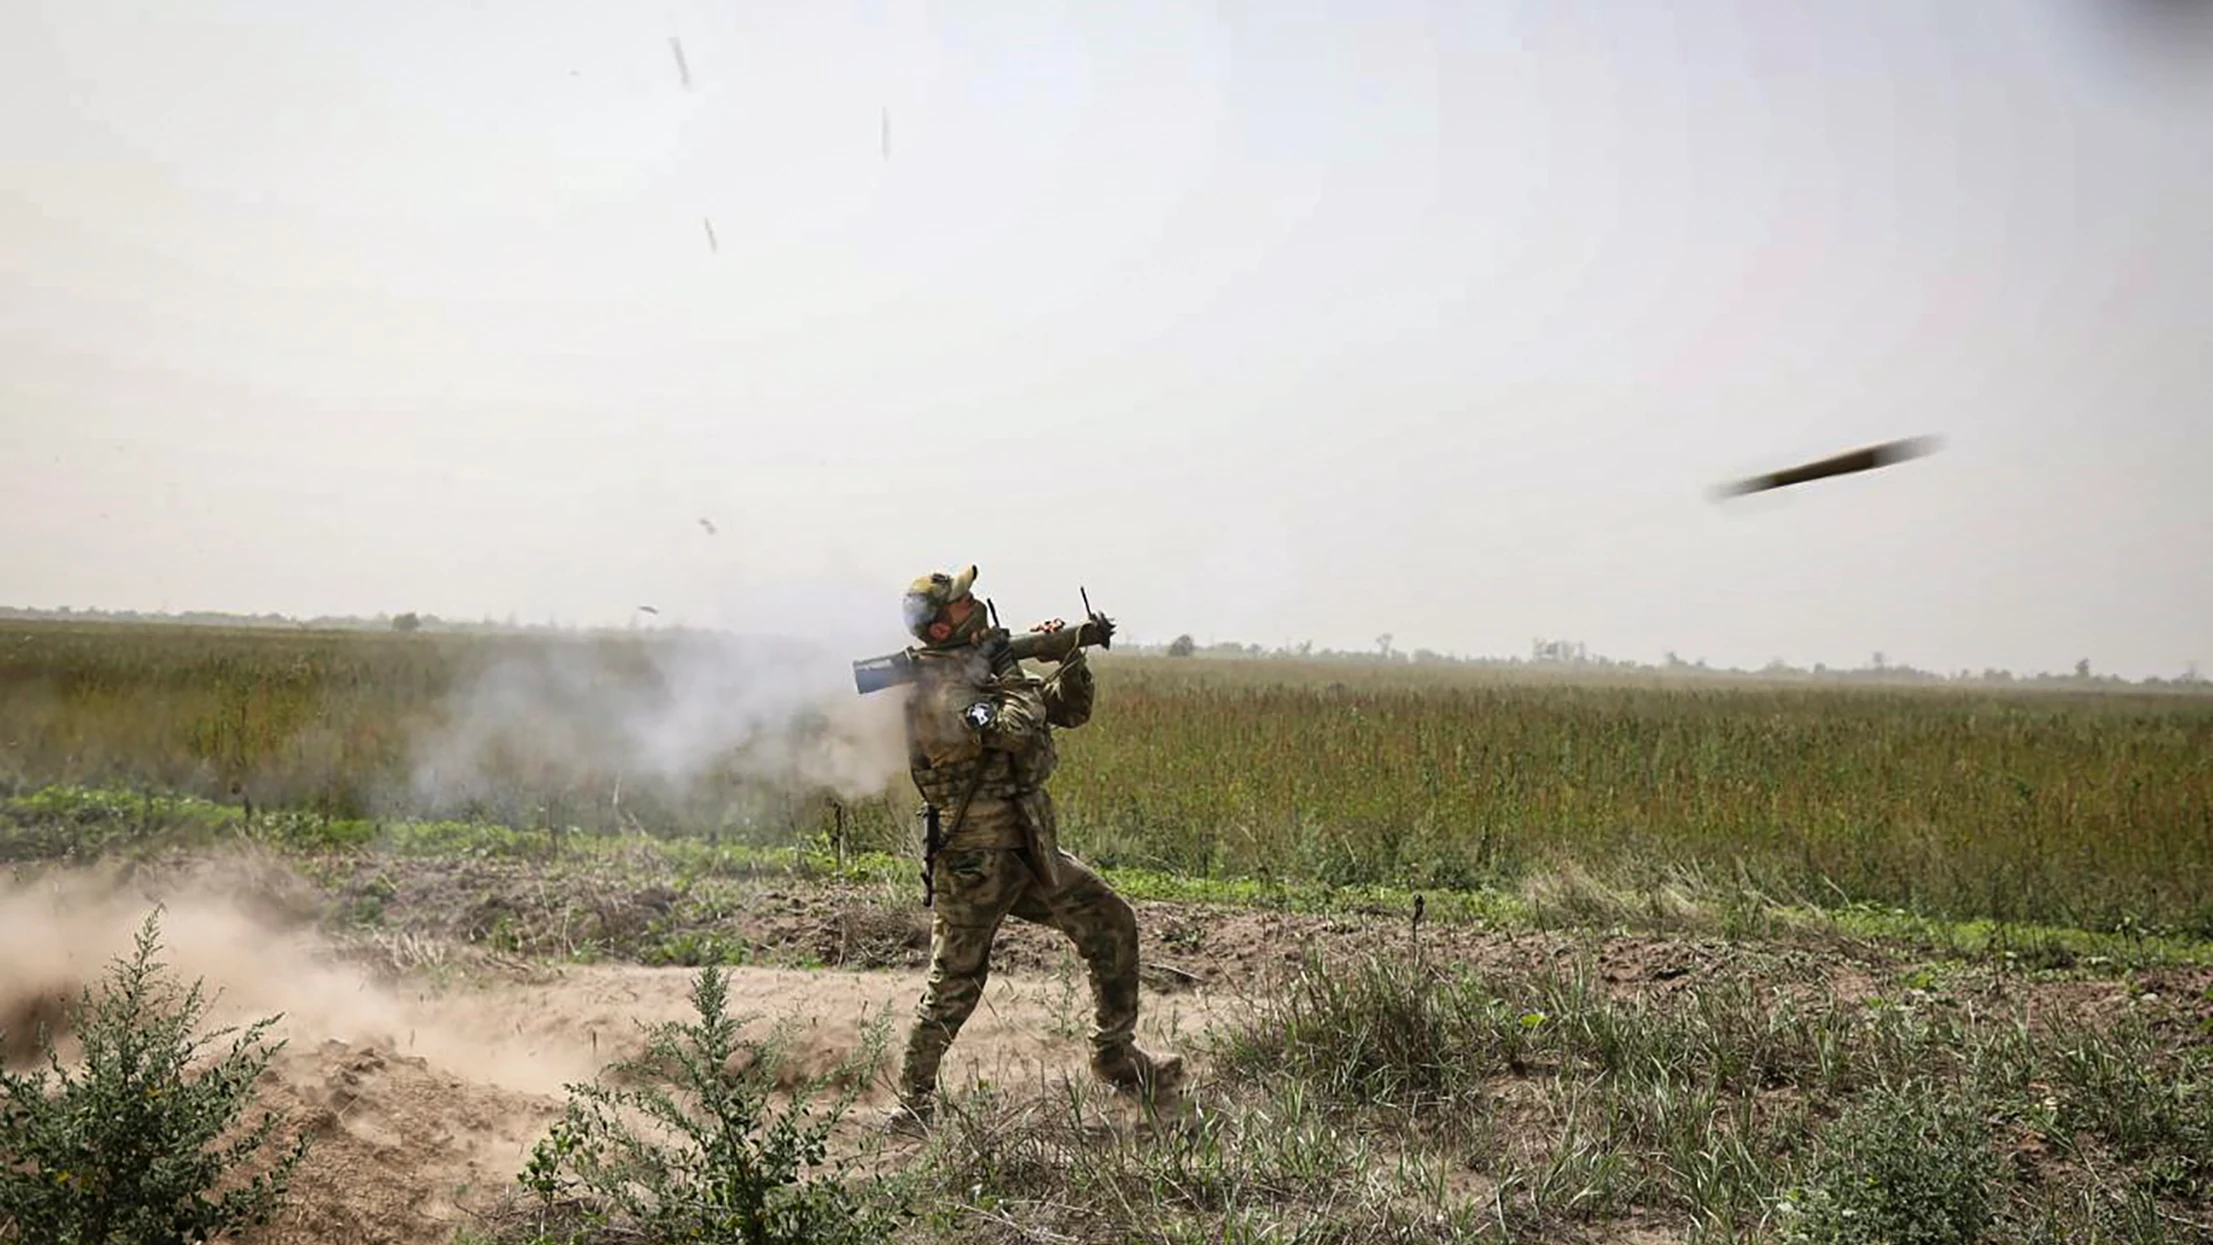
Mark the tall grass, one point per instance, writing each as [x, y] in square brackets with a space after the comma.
[2088, 808]
[2092, 807]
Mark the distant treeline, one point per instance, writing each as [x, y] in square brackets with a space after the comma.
[1543, 654]
[321, 622]
[1575, 656]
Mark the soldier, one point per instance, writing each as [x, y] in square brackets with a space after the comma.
[980, 743]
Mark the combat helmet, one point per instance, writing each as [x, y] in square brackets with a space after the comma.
[939, 610]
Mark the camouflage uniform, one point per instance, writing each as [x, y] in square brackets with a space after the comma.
[986, 736]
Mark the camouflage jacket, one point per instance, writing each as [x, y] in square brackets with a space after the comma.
[966, 725]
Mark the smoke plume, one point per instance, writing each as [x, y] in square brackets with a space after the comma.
[663, 715]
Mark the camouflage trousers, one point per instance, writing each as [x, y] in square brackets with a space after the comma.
[977, 889]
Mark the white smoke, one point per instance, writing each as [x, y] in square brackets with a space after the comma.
[662, 712]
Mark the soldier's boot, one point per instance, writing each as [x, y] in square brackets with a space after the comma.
[1105, 932]
[912, 1117]
[917, 1107]
[1130, 1070]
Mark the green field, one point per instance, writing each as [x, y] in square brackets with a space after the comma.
[1705, 959]
[2092, 809]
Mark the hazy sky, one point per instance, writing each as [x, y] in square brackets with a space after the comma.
[1265, 321]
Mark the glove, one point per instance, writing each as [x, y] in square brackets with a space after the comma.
[1098, 629]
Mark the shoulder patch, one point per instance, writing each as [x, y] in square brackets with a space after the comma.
[980, 715]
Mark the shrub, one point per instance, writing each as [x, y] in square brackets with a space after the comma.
[732, 1167]
[132, 1146]
[1903, 1166]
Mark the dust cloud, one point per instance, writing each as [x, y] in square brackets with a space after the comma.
[241, 927]
[245, 926]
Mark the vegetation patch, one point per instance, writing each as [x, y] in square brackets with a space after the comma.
[143, 1139]
[1741, 1108]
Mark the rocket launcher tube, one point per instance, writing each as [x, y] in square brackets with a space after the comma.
[874, 674]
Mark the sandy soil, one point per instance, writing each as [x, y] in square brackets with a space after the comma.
[425, 1100]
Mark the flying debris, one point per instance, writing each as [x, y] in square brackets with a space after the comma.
[647, 609]
[683, 71]
[709, 526]
[712, 245]
[1863, 459]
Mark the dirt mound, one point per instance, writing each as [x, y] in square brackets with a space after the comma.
[403, 1150]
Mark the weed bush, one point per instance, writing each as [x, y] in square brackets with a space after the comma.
[1386, 1034]
[1907, 1166]
[1259, 1168]
[136, 1147]
[2149, 1107]
[684, 1143]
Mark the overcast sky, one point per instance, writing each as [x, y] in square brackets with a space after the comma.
[1266, 320]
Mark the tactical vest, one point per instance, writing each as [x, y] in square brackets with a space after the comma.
[946, 755]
